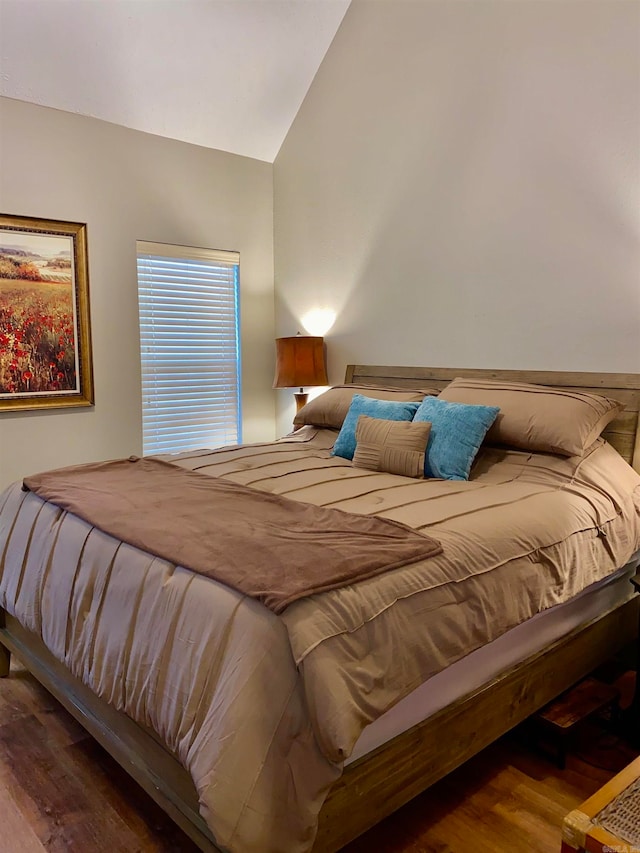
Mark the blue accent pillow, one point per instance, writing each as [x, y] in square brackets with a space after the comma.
[388, 410]
[457, 431]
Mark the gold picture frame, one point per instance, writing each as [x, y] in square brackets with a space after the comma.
[45, 333]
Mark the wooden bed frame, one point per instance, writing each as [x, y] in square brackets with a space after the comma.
[379, 783]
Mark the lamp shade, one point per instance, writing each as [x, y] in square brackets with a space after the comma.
[300, 362]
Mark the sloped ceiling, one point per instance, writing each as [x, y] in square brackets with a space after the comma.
[226, 74]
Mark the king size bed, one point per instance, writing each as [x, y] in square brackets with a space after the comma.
[298, 723]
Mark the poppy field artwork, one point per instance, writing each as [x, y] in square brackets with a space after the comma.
[45, 357]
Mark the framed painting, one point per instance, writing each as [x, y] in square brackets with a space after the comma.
[45, 335]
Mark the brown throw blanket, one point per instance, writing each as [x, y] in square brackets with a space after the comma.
[271, 548]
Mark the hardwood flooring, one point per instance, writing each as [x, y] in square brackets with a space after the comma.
[60, 792]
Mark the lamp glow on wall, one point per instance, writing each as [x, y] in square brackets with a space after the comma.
[300, 362]
[318, 321]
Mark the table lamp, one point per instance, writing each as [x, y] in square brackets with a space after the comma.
[300, 362]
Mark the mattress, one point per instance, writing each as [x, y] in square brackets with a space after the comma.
[482, 666]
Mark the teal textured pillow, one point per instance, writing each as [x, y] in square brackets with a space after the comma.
[457, 431]
[388, 410]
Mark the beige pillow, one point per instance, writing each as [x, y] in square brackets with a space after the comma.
[330, 408]
[395, 447]
[535, 417]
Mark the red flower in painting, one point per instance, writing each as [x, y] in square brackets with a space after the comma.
[36, 348]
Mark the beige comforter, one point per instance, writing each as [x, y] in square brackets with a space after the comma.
[263, 709]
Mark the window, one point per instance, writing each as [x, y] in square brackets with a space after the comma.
[189, 346]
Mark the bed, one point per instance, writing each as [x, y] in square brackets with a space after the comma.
[404, 757]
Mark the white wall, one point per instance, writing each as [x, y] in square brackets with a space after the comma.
[128, 185]
[462, 186]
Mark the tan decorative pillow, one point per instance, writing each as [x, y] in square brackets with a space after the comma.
[535, 417]
[395, 447]
[330, 408]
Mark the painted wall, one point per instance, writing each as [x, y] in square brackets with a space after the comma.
[128, 185]
[462, 186]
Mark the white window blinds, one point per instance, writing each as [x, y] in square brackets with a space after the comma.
[189, 346]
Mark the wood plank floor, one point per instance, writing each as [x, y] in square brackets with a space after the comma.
[60, 792]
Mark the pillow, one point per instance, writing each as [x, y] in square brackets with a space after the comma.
[390, 410]
[396, 447]
[534, 417]
[457, 431]
[330, 408]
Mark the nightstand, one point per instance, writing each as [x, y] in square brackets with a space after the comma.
[559, 720]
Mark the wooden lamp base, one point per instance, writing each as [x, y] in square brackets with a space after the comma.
[301, 400]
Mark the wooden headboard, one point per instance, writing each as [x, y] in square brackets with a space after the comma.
[623, 433]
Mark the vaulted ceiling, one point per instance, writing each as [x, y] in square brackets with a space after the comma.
[226, 74]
